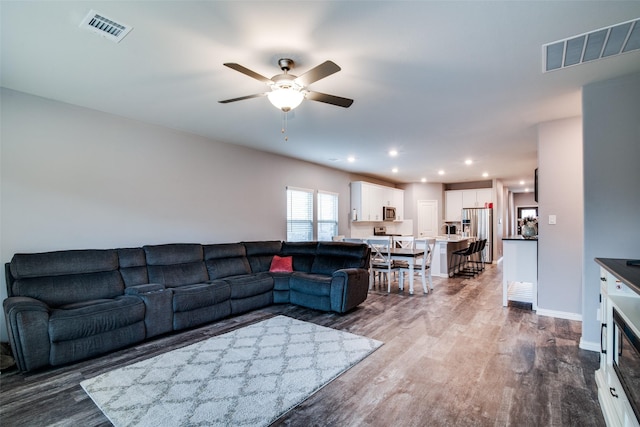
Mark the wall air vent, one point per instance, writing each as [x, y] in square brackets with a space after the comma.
[598, 44]
[106, 27]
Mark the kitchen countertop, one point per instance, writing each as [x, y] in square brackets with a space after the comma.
[454, 238]
[519, 237]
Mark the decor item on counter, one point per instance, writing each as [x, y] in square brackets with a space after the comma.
[529, 227]
[247, 377]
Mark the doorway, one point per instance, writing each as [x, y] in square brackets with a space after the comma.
[427, 218]
[525, 212]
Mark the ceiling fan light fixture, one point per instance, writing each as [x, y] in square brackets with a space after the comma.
[285, 98]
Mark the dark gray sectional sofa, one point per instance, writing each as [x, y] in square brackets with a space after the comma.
[71, 305]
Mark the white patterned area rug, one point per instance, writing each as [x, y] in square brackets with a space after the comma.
[247, 377]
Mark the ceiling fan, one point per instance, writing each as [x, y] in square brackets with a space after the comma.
[287, 90]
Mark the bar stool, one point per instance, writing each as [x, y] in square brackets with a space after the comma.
[463, 257]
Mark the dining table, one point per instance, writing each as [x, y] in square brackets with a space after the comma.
[410, 256]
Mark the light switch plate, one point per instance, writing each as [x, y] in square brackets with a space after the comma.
[552, 219]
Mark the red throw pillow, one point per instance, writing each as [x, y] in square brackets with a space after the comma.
[281, 264]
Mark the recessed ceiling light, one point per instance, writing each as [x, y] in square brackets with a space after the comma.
[526, 190]
[485, 174]
[468, 162]
[393, 153]
[521, 182]
[394, 170]
[440, 172]
[423, 180]
[351, 159]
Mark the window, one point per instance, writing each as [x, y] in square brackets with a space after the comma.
[299, 215]
[327, 215]
[302, 226]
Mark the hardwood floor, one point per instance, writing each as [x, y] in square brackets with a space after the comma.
[454, 357]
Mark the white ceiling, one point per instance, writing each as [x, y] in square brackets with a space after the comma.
[441, 82]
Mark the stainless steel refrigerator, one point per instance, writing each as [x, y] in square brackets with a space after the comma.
[478, 222]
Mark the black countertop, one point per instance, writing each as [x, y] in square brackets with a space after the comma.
[630, 275]
[519, 237]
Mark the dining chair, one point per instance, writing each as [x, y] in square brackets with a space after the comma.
[381, 261]
[422, 266]
[353, 240]
[407, 242]
[404, 242]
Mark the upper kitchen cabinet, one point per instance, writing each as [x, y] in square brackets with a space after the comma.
[368, 199]
[452, 205]
[476, 198]
[456, 200]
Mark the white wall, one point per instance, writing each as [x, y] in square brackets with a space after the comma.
[422, 191]
[524, 199]
[75, 178]
[611, 111]
[560, 194]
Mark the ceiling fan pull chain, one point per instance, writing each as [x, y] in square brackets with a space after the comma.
[284, 126]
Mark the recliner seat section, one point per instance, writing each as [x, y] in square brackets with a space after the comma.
[70, 305]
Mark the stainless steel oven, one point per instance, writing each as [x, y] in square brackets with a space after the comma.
[626, 360]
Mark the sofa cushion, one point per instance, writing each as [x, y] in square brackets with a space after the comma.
[250, 285]
[93, 318]
[310, 284]
[179, 274]
[187, 298]
[62, 263]
[303, 254]
[56, 291]
[133, 266]
[332, 256]
[225, 260]
[174, 253]
[261, 253]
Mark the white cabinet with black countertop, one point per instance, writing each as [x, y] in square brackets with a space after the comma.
[618, 378]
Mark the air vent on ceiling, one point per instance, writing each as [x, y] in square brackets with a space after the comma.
[106, 27]
[598, 44]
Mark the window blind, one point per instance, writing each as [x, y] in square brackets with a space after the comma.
[299, 215]
[327, 215]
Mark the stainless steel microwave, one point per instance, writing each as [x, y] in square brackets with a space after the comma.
[388, 213]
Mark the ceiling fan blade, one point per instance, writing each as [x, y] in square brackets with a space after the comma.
[330, 99]
[226, 101]
[248, 72]
[320, 72]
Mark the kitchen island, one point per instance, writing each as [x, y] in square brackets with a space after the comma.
[442, 264]
[520, 270]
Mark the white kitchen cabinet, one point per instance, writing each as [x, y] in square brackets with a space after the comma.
[452, 205]
[618, 290]
[476, 198]
[397, 201]
[368, 199]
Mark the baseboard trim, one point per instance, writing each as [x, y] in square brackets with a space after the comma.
[589, 345]
[559, 314]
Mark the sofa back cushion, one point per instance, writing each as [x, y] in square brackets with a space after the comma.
[177, 264]
[224, 260]
[303, 254]
[332, 256]
[66, 277]
[133, 266]
[260, 254]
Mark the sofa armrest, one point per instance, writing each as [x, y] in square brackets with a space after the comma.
[144, 289]
[349, 287]
[28, 328]
[158, 300]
